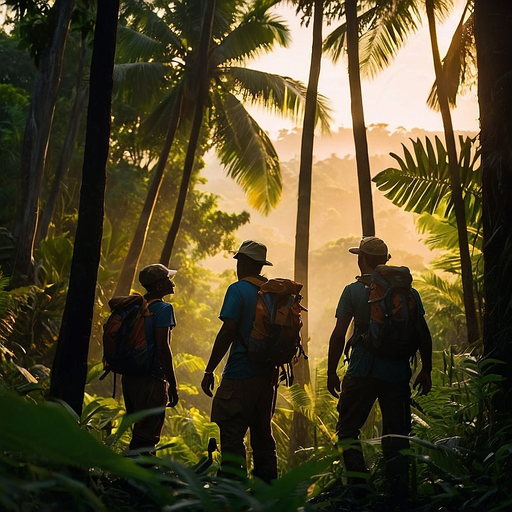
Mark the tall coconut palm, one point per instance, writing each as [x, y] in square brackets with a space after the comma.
[69, 370]
[455, 184]
[384, 25]
[166, 49]
[299, 431]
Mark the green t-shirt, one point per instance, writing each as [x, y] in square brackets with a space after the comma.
[354, 303]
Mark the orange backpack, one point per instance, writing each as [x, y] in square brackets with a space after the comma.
[125, 348]
[275, 336]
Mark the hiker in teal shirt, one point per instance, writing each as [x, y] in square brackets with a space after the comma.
[370, 378]
[245, 399]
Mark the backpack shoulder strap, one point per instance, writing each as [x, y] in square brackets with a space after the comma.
[255, 280]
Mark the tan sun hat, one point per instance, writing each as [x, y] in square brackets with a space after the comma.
[153, 273]
[254, 250]
[372, 246]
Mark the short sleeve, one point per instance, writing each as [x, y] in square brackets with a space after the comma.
[345, 306]
[163, 316]
[232, 305]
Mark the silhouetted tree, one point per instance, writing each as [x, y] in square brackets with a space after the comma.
[69, 370]
[493, 19]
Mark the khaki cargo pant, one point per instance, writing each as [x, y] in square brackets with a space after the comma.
[248, 404]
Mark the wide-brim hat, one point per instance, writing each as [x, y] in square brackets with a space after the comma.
[372, 246]
[155, 272]
[254, 250]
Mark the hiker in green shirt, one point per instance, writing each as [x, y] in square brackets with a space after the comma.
[370, 377]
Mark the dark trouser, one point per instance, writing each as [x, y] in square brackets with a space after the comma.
[357, 397]
[143, 392]
[248, 404]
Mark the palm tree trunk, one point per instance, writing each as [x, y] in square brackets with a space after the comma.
[202, 91]
[300, 432]
[493, 19]
[358, 123]
[458, 201]
[35, 143]
[77, 111]
[132, 259]
[69, 370]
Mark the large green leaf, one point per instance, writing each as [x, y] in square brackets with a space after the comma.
[421, 183]
[48, 431]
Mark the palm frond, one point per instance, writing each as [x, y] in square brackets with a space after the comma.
[247, 152]
[443, 233]
[157, 121]
[384, 27]
[334, 44]
[133, 46]
[442, 293]
[422, 181]
[390, 27]
[257, 34]
[141, 82]
[277, 93]
[153, 31]
[459, 61]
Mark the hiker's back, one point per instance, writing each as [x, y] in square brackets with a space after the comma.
[126, 350]
[275, 336]
[393, 330]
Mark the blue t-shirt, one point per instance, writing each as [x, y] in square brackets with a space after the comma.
[354, 302]
[163, 316]
[240, 305]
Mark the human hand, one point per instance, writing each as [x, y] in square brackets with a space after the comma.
[333, 384]
[173, 396]
[423, 382]
[208, 383]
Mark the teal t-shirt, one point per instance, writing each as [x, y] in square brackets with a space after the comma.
[240, 305]
[354, 302]
[163, 316]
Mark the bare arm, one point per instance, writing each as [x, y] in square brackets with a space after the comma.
[423, 380]
[336, 346]
[227, 333]
[164, 354]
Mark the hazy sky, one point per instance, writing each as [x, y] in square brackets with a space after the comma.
[396, 97]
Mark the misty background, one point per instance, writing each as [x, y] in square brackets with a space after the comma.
[335, 217]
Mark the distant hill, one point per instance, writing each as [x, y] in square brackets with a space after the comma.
[335, 217]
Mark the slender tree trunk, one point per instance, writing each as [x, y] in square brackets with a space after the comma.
[202, 91]
[77, 111]
[35, 143]
[358, 123]
[493, 19]
[132, 259]
[456, 188]
[69, 371]
[300, 434]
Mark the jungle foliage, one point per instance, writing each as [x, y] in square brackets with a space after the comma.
[53, 460]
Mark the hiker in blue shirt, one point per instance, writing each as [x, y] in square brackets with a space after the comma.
[157, 388]
[370, 377]
[245, 399]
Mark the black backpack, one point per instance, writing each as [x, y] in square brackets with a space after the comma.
[394, 328]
